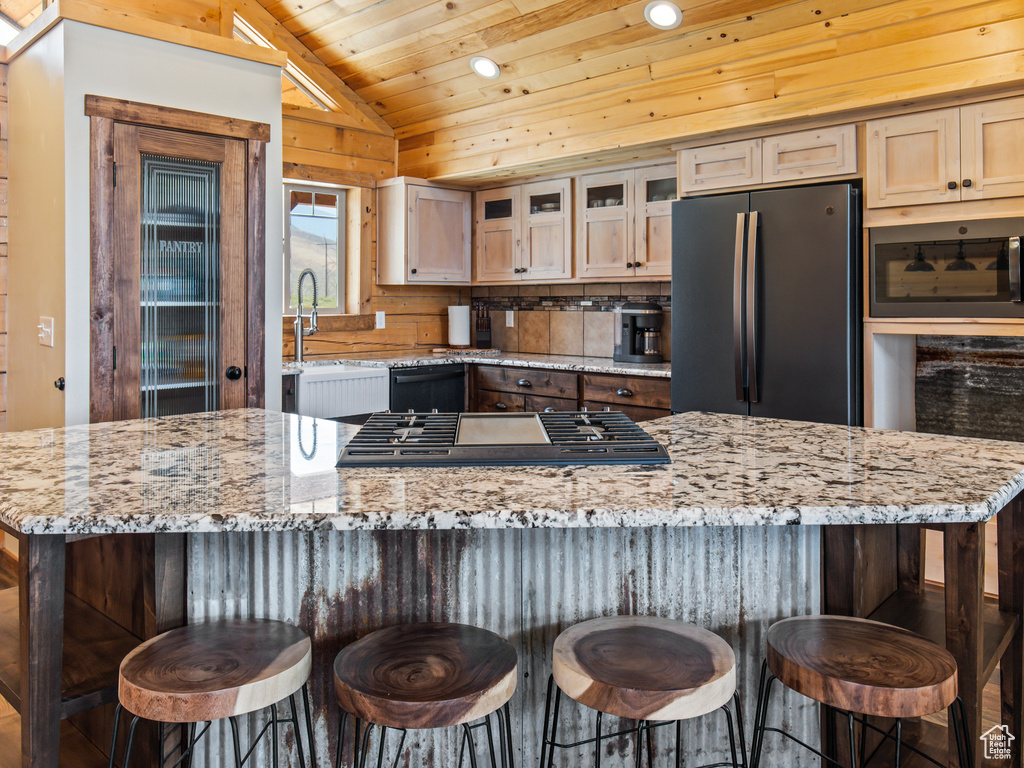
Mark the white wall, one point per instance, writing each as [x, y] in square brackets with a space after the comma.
[104, 62]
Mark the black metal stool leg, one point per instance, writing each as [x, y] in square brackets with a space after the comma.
[273, 736]
[380, 746]
[113, 739]
[597, 745]
[547, 719]
[341, 740]
[554, 725]
[764, 690]
[508, 736]
[679, 743]
[401, 746]
[853, 741]
[639, 743]
[650, 747]
[490, 741]
[297, 731]
[235, 743]
[732, 735]
[365, 747]
[468, 739]
[128, 745]
[899, 742]
[740, 728]
[958, 721]
[309, 725]
[502, 742]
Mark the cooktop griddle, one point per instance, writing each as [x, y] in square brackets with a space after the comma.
[500, 439]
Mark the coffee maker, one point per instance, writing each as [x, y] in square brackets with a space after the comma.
[638, 334]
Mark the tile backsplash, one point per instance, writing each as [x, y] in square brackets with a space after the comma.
[569, 319]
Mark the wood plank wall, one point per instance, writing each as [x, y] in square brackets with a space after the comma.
[3, 247]
[747, 67]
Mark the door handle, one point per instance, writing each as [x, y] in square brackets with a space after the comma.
[1015, 277]
[752, 393]
[737, 306]
[234, 373]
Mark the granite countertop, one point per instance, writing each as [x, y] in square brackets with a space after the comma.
[261, 470]
[523, 360]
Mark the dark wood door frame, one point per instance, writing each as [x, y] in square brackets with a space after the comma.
[104, 113]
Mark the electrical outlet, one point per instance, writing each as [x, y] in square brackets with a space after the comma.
[380, 319]
[510, 318]
[45, 331]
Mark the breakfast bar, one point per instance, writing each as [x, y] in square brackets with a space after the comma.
[752, 521]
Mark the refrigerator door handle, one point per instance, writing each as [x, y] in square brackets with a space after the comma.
[1015, 276]
[752, 393]
[737, 307]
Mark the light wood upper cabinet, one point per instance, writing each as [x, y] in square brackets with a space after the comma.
[547, 231]
[655, 189]
[830, 151]
[992, 149]
[720, 166]
[524, 233]
[498, 234]
[947, 155]
[914, 159]
[424, 233]
[605, 243]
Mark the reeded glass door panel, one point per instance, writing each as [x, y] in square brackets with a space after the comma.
[180, 285]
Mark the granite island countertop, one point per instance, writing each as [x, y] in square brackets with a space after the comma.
[516, 359]
[253, 470]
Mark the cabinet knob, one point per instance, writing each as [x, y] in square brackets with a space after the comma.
[413, 270]
[234, 373]
[59, 383]
[967, 182]
[501, 406]
[951, 185]
[624, 392]
[524, 383]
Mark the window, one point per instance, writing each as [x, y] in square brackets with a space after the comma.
[314, 238]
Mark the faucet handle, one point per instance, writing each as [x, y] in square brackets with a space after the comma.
[312, 320]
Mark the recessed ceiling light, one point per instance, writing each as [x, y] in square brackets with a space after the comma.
[484, 67]
[663, 14]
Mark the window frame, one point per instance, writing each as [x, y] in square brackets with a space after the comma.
[289, 186]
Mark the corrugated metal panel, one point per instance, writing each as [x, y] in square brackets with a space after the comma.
[526, 586]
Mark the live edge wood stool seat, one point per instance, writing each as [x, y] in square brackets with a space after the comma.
[646, 669]
[860, 667]
[214, 671]
[427, 675]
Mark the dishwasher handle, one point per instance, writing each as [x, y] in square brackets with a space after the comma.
[416, 378]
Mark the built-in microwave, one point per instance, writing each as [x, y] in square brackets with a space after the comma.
[954, 269]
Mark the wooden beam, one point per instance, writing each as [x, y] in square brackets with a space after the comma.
[175, 119]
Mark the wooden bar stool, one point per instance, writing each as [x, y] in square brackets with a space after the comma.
[860, 667]
[429, 675]
[212, 671]
[643, 668]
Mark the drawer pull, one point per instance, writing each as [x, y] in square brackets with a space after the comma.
[624, 392]
[549, 409]
[524, 383]
[501, 406]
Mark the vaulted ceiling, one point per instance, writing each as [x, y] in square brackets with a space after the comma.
[589, 80]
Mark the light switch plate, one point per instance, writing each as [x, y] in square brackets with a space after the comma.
[510, 318]
[379, 323]
[45, 329]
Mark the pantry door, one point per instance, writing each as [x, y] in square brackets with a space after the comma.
[179, 272]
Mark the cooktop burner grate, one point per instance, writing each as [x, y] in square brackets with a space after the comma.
[433, 439]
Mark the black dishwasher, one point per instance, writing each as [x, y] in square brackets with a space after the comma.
[430, 387]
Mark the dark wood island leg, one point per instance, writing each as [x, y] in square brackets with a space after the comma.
[1010, 539]
[41, 609]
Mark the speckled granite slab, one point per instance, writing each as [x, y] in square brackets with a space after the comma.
[261, 470]
[522, 360]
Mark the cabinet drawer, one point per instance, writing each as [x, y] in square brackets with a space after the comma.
[538, 404]
[531, 381]
[635, 412]
[639, 391]
[499, 401]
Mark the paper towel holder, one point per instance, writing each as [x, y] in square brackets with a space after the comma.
[458, 325]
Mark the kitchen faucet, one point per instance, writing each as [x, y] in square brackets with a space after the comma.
[299, 330]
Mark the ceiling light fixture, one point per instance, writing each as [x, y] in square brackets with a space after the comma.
[484, 67]
[663, 14]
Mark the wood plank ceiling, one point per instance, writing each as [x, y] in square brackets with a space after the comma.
[581, 77]
[589, 81]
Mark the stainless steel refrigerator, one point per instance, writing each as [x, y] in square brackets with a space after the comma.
[766, 304]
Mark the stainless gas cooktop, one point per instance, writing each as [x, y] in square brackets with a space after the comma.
[495, 439]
